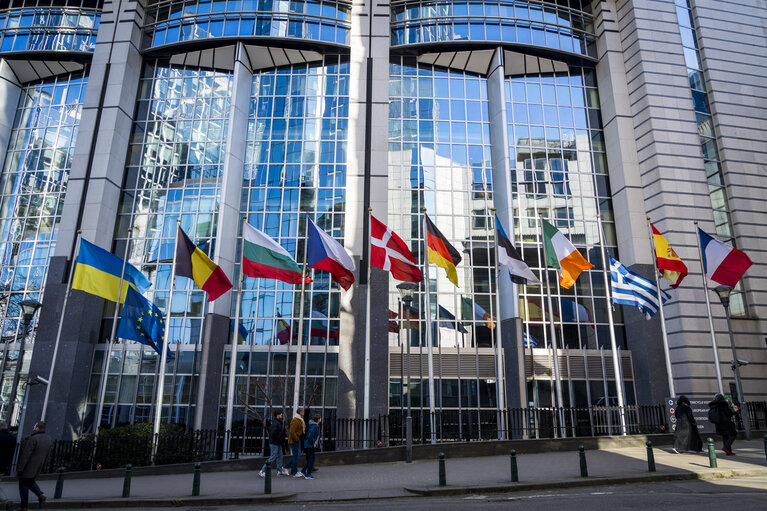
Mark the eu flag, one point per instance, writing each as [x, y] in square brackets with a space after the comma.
[142, 321]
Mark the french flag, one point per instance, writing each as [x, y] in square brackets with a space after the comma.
[722, 263]
[325, 253]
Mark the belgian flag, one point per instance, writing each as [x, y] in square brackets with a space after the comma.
[441, 252]
[191, 262]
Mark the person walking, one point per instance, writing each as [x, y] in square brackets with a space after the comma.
[295, 432]
[720, 415]
[31, 462]
[310, 444]
[277, 440]
[686, 436]
[7, 448]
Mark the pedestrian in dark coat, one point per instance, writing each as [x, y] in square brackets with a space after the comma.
[278, 438]
[31, 462]
[720, 415]
[310, 445]
[686, 436]
[7, 447]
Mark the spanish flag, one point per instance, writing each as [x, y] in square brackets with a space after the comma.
[192, 262]
[442, 253]
[99, 272]
[668, 262]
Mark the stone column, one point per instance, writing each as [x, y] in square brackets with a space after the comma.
[10, 89]
[93, 195]
[509, 322]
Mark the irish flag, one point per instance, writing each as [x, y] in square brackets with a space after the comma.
[264, 258]
[562, 255]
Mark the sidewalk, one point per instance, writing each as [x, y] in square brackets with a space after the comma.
[398, 479]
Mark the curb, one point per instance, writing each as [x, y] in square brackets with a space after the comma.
[435, 491]
[179, 502]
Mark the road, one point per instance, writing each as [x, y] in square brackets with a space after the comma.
[743, 494]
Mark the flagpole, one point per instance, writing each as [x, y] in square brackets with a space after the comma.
[235, 340]
[105, 364]
[708, 309]
[164, 348]
[498, 341]
[554, 347]
[300, 321]
[366, 397]
[666, 351]
[429, 354]
[613, 344]
[61, 325]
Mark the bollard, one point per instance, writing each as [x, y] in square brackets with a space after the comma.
[514, 472]
[268, 479]
[650, 457]
[765, 445]
[711, 453]
[442, 477]
[59, 484]
[582, 456]
[126, 482]
[196, 480]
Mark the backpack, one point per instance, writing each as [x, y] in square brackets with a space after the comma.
[714, 416]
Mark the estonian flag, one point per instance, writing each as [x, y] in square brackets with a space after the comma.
[447, 320]
[193, 263]
[509, 257]
[441, 252]
[98, 272]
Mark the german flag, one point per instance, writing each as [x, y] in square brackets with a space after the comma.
[191, 262]
[442, 253]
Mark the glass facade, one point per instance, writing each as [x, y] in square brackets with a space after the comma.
[708, 144]
[49, 28]
[295, 166]
[174, 170]
[32, 189]
[174, 21]
[568, 26]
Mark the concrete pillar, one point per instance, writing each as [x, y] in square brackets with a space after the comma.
[366, 187]
[215, 337]
[509, 322]
[93, 195]
[10, 89]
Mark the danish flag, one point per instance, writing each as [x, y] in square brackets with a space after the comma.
[390, 253]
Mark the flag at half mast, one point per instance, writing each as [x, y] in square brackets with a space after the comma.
[99, 273]
[193, 263]
[673, 268]
[262, 257]
[562, 255]
[441, 252]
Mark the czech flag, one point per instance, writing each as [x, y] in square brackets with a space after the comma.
[325, 253]
[193, 263]
[722, 263]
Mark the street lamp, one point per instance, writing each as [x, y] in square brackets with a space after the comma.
[28, 310]
[407, 289]
[724, 296]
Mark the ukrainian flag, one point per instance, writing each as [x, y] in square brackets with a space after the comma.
[98, 272]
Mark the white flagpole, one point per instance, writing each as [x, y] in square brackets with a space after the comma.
[235, 340]
[613, 344]
[554, 347]
[366, 397]
[164, 348]
[105, 364]
[666, 351]
[61, 325]
[299, 349]
[500, 380]
[429, 354]
[708, 309]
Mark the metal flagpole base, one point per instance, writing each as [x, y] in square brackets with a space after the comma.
[409, 439]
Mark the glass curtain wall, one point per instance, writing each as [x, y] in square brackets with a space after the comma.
[174, 170]
[439, 159]
[32, 189]
[559, 170]
[295, 167]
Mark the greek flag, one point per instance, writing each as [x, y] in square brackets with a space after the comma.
[628, 288]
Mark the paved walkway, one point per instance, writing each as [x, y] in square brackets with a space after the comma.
[387, 480]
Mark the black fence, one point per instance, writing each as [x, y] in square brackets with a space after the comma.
[338, 434]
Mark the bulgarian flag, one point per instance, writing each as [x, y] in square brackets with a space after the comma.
[193, 263]
[562, 255]
[262, 257]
